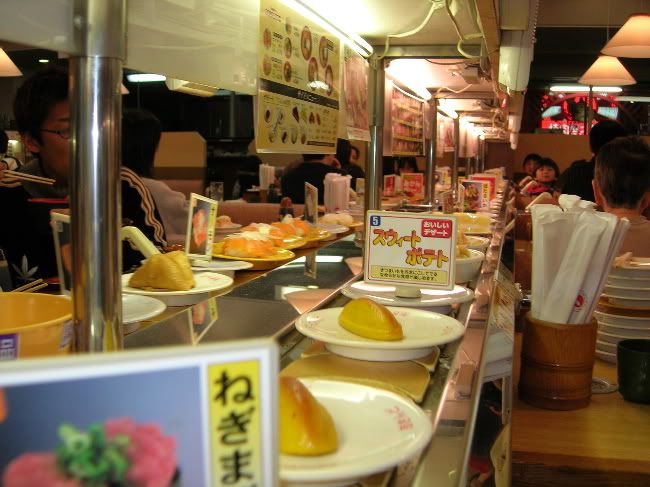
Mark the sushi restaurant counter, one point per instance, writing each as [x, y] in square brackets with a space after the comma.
[606, 443]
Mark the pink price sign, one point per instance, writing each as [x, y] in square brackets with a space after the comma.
[410, 249]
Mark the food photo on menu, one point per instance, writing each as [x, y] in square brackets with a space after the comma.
[203, 214]
[134, 433]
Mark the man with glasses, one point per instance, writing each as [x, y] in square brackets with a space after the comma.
[42, 112]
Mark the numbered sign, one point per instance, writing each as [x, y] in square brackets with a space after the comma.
[410, 249]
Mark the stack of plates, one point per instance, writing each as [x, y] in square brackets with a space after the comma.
[624, 310]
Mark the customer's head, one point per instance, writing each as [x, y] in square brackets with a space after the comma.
[603, 132]
[343, 149]
[622, 174]
[140, 137]
[530, 164]
[407, 165]
[546, 171]
[355, 154]
[42, 115]
[324, 158]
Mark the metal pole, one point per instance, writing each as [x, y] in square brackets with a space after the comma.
[588, 112]
[96, 114]
[374, 172]
[483, 154]
[454, 165]
[468, 166]
[430, 172]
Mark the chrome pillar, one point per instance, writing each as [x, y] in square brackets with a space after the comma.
[96, 113]
[468, 167]
[430, 171]
[483, 151]
[374, 170]
[454, 165]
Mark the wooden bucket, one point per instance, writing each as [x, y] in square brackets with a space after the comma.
[557, 363]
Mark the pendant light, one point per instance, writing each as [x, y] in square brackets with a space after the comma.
[632, 40]
[7, 66]
[607, 70]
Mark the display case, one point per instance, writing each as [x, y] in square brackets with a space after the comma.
[404, 125]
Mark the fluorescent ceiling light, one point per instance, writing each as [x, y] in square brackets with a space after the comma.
[632, 40]
[44, 61]
[7, 66]
[583, 88]
[446, 109]
[353, 40]
[145, 77]
[607, 70]
[643, 99]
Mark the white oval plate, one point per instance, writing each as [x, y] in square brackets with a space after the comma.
[622, 320]
[624, 331]
[385, 295]
[422, 331]
[357, 410]
[206, 282]
[137, 308]
[627, 302]
[627, 293]
[606, 356]
[638, 267]
[606, 347]
[333, 228]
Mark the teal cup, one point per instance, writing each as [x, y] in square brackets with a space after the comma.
[633, 358]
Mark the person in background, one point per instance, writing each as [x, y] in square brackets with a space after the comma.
[577, 178]
[6, 162]
[389, 164]
[529, 166]
[141, 132]
[42, 113]
[312, 171]
[348, 155]
[546, 174]
[407, 165]
[621, 185]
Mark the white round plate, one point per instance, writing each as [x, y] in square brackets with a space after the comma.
[333, 228]
[137, 308]
[606, 347]
[624, 331]
[206, 282]
[631, 282]
[357, 410]
[627, 292]
[385, 295]
[221, 265]
[606, 356]
[627, 302]
[623, 320]
[638, 267]
[422, 331]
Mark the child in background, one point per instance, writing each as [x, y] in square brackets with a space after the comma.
[545, 181]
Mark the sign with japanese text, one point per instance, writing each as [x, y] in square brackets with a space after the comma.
[410, 249]
[477, 195]
[199, 415]
[413, 183]
[299, 83]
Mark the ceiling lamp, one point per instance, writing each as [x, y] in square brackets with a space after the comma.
[632, 40]
[607, 70]
[7, 66]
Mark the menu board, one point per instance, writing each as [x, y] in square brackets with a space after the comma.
[477, 195]
[407, 124]
[298, 65]
[355, 95]
[410, 249]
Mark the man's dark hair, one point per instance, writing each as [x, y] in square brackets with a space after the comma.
[623, 171]
[548, 162]
[140, 138]
[36, 96]
[603, 132]
[354, 148]
[313, 157]
[343, 149]
[532, 157]
[4, 142]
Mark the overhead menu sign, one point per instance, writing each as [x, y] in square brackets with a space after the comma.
[299, 83]
[410, 249]
[201, 416]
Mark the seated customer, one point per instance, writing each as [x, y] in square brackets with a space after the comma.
[42, 113]
[348, 156]
[312, 171]
[141, 132]
[622, 188]
[546, 174]
[529, 165]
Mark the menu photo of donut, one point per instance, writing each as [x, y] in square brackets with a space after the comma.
[201, 219]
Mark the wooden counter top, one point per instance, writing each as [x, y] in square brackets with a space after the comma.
[604, 444]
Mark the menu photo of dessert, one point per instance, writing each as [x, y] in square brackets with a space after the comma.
[135, 432]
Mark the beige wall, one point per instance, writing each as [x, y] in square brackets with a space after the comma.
[563, 149]
[181, 149]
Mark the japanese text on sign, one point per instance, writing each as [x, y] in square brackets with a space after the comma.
[235, 423]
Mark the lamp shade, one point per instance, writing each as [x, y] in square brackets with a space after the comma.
[607, 70]
[7, 66]
[632, 40]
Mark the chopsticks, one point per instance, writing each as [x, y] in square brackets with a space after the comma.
[30, 287]
[15, 175]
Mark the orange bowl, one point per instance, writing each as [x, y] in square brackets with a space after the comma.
[34, 325]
